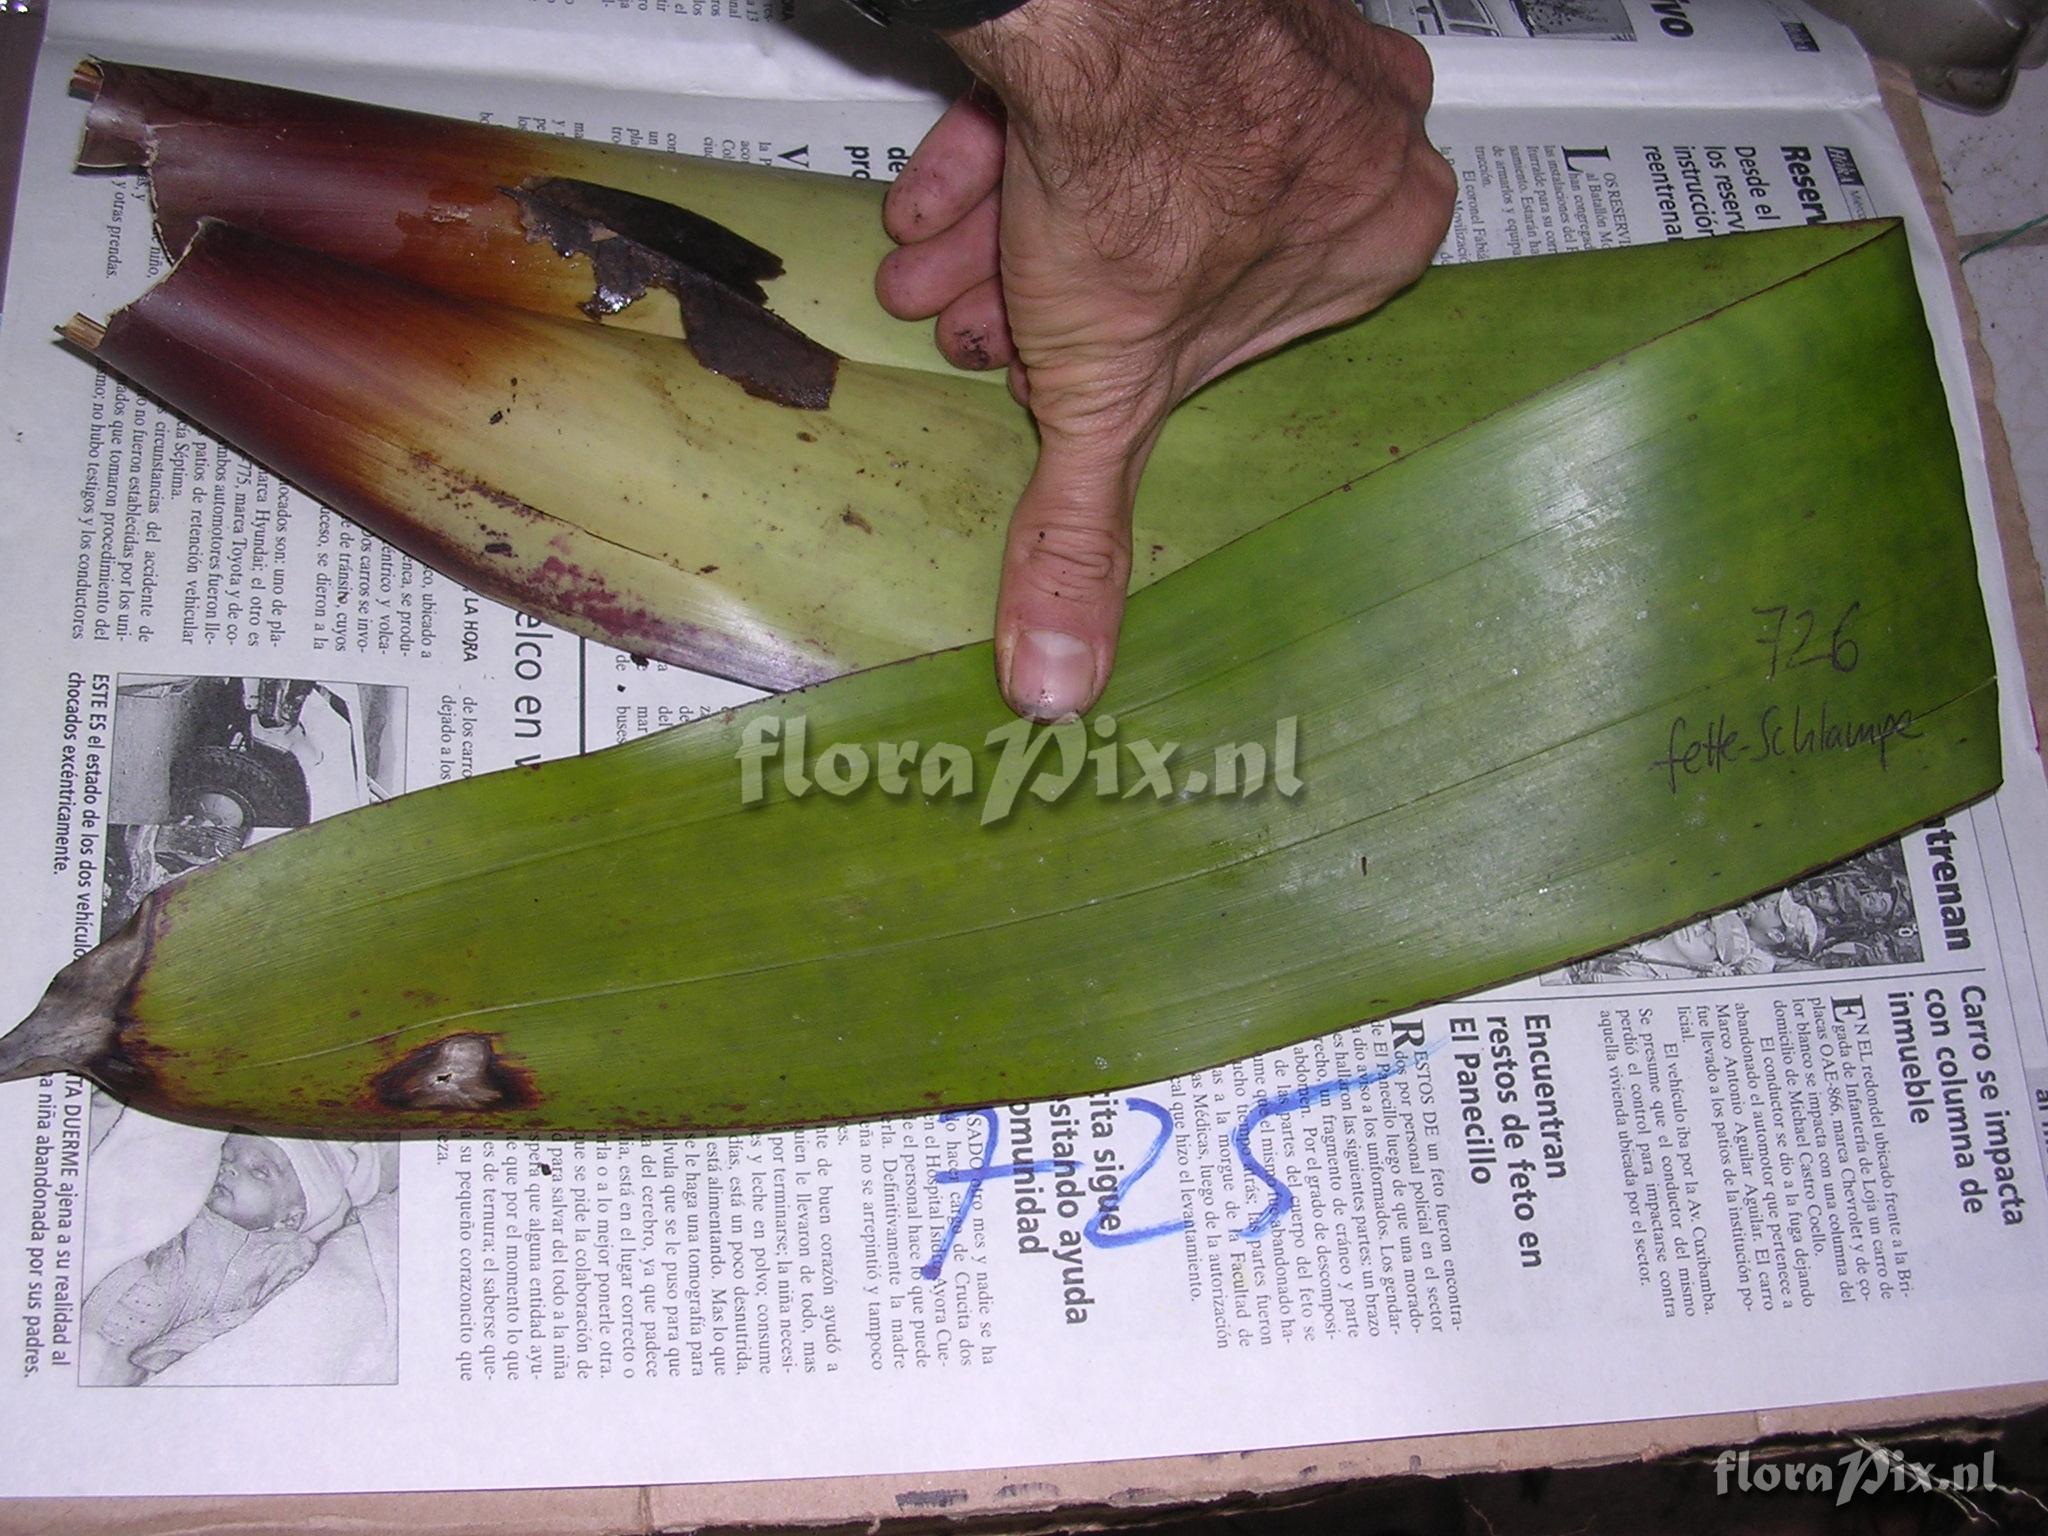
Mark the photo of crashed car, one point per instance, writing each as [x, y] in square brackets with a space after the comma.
[1600, 20]
[202, 766]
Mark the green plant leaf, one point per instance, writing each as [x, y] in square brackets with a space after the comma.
[1666, 633]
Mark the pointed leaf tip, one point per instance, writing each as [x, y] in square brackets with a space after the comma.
[76, 1025]
[34, 1046]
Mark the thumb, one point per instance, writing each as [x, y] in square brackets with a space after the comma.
[1066, 568]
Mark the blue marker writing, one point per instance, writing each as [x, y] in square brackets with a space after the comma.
[1285, 1104]
[1123, 1239]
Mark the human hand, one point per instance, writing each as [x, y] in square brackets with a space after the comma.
[1138, 199]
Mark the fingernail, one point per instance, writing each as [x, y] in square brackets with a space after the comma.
[1052, 675]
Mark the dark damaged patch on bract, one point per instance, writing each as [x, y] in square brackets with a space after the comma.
[636, 243]
[462, 1073]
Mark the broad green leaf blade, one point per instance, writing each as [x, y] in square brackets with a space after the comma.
[1545, 701]
[1461, 343]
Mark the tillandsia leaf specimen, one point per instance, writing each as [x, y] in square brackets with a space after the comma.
[613, 484]
[1523, 695]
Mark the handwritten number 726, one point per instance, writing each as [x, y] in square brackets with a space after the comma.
[1840, 651]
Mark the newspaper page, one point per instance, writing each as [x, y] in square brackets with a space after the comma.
[1708, 1172]
[1628, 53]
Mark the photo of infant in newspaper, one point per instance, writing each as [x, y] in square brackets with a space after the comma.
[236, 1259]
[205, 765]
[1855, 915]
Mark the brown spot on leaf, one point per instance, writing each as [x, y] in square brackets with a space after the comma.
[853, 519]
[461, 1072]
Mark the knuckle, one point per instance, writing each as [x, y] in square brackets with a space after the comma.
[1070, 558]
[1410, 67]
[1436, 189]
